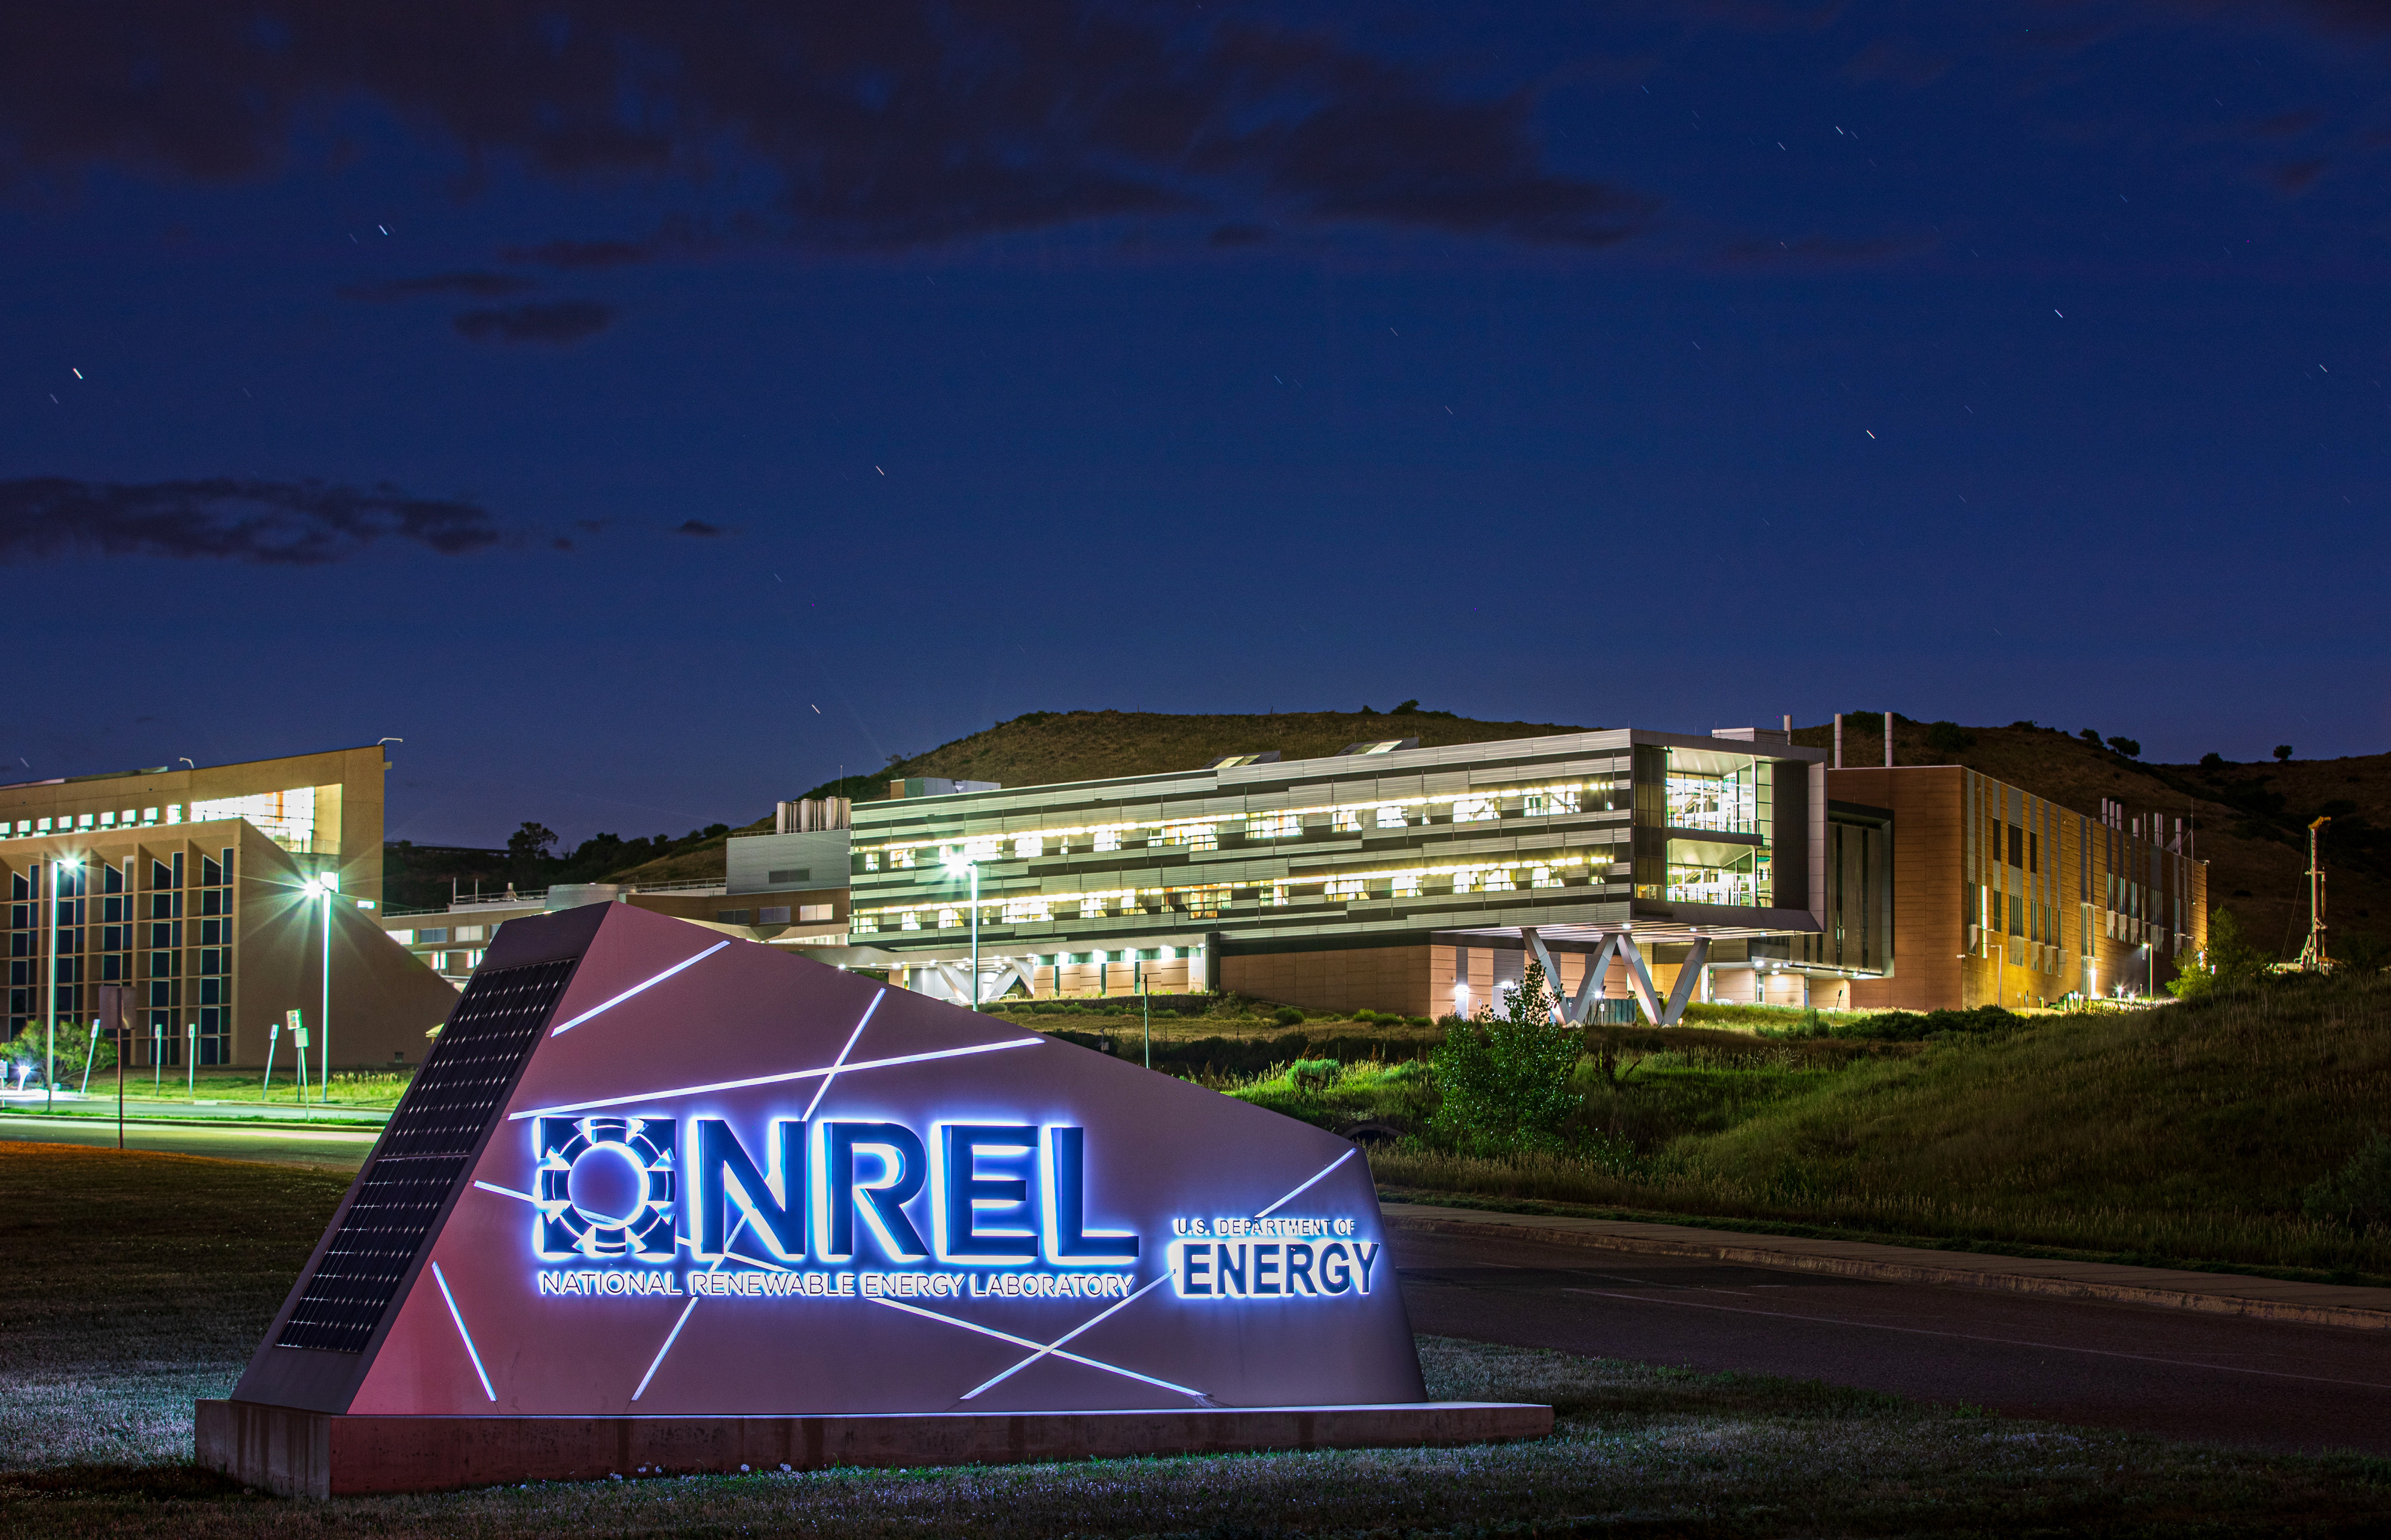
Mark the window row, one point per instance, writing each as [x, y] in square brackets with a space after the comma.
[1544, 801]
[1203, 901]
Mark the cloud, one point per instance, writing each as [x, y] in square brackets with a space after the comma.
[565, 321]
[286, 523]
[899, 124]
[480, 286]
[698, 527]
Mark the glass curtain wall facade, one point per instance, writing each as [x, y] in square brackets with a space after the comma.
[1594, 831]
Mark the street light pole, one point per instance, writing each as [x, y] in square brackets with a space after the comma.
[58, 865]
[957, 865]
[324, 885]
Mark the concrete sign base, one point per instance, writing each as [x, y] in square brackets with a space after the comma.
[298, 1454]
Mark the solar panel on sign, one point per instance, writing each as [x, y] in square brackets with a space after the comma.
[432, 1136]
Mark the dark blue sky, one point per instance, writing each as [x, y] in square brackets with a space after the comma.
[649, 411]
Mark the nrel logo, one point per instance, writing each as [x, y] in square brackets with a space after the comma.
[625, 1204]
[973, 1195]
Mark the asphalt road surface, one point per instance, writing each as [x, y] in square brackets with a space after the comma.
[299, 1146]
[2178, 1374]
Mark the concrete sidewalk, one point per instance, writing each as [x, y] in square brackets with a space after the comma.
[2218, 1293]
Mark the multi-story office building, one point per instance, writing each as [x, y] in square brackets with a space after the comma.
[1387, 877]
[2006, 898]
[183, 899]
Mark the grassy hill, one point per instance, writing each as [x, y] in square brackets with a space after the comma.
[1040, 747]
[2250, 820]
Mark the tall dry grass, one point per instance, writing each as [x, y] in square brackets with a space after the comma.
[2187, 1132]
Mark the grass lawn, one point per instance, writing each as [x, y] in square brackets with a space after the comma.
[2186, 1134]
[159, 1094]
[136, 1282]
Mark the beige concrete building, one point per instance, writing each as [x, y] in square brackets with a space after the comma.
[195, 905]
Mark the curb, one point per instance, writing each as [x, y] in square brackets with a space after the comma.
[1907, 1272]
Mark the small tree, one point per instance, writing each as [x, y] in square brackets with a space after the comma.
[2282, 754]
[2228, 960]
[1506, 1078]
[528, 850]
[2091, 735]
[2130, 748]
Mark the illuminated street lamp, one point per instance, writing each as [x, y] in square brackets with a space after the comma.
[958, 864]
[50, 1049]
[324, 885]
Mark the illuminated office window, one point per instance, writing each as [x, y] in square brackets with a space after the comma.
[863, 925]
[286, 817]
[1499, 881]
[1191, 836]
[1349, 820]
[1391, 816]
[1738, 884]
[1108, 838]
[949, 919]
[1728, 802]
[1019, 911]
[1345, 888]
[901, 860]
[1466, 880]
[1274, 826]
[1206, 901]
[909, 920]
[985, 847]
[1028, 847]
[1544, 877]
[1092, 906]
[1474, 810]
[1551, 801]
[871, 859]
[1407, 885]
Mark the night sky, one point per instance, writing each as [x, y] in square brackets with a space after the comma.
[649, 410]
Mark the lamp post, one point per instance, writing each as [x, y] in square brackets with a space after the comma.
[58, 865]
[324, 885]
[958, 864]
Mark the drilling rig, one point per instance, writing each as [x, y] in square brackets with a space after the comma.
[2313, 958]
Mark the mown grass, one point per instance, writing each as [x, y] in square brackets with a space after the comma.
[146, 1280]
[2183, 1133]
[159, 1094]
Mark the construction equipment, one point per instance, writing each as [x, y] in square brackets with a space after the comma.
[2313, 958]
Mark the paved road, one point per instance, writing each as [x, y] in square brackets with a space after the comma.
[344, 1147]
[2176, 1373]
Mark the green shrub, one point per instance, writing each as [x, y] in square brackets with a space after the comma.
[2227, 962]
[2359, 1195]
[1287, 1016]
[1312, 1074]
[1903, 1026]
[1505, 1079]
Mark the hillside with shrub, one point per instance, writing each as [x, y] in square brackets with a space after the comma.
[2245, 1128]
